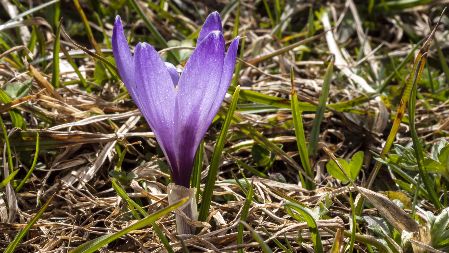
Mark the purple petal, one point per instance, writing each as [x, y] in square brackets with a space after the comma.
[157, 93]
[212, 23]
[228, 70]
[123, 57]
[173, 73]
[197, 91]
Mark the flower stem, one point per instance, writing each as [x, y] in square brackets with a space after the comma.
[187, 213]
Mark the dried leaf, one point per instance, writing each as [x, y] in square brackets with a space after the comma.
[390, 211]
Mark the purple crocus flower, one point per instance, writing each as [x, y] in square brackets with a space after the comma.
[178, 108]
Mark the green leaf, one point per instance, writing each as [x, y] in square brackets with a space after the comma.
[12, 246]
[352, 168]
[436, 148]
[300, 136]
[56, 47]
[17, 89]
[33, 165]
[5, 97]
[181, 54]
[7, 144]
[443, 156]
[419, 153]
[355, 165]
[216, 156]
[319, 114]
[441, 221]
[195, 182]
[16, 117]
[100, 74]
[300, 213]
[262, 157]
[333, 170]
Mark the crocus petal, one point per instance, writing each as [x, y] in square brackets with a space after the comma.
[157, 94]
[212, 23]
[228, 70]
[173, 72]
[123, 58]
[197, 89]
[179, 109]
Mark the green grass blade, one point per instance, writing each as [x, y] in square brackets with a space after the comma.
[152, 29]
[258, 238]
[107, 39]
[56, 15]
[33, 165]
[238, 66]
[310, 24]
[235, 31]
[308, 218]
[33, 39]
[283, 103]
[277, 11]
[430, 187]
[258, 97]
[86, 24]
[338, 242]
[213, 169]
[353, 224]
[442, 60]
[197, 167]
[56, 47]
[41, 47]
[319, 115]
[8, 179]
[16, 117]
[268, 10]
[347, 106]
[111, 67]
[8, 146]
[258, 137]
[227, 9]
[13, 245]
[390, 77]
[401, 4]
[75, 68]
[431, 83]
[300, 135]
[96, 244]
[281, 246]
[122, 193]
[283, 50]
[414, 76]
[369, 240]
[254, 171]
[134, 206]
[244, 214]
